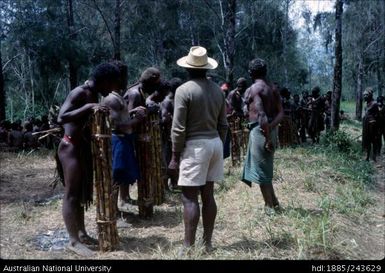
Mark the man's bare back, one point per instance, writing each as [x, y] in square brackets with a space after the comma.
[119, 112]
[263, 103]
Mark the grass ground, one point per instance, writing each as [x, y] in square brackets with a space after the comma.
[333, 209]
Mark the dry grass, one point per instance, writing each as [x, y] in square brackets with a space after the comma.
[329, 213]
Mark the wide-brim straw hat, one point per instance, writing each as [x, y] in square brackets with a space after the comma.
[197, 59]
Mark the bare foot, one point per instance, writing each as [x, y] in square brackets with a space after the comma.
[80, 249]
[87, 240]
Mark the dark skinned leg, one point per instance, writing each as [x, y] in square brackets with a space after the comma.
[209, 212]
[72, 210]
[83, 236]
[269, 195]
[124, 192]
[191, 214]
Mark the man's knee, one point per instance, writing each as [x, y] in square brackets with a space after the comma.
[72, 199]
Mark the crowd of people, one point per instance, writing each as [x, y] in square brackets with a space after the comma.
[199, 124]
[32, 134]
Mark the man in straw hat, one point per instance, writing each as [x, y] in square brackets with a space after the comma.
[198, 132]
[265, 112]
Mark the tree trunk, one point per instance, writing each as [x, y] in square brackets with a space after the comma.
[117, 30]
[360, 76]
[337, 79]
[72, 67]
[229, 38]
[381, 66]
[380, 78]
[284, 41]
[2, 91]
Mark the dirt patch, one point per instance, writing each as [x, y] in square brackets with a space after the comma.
[26, 178]
[31, 225]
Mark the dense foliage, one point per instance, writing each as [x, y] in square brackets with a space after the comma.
[47, 46]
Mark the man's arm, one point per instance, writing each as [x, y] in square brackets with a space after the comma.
[69, 111]
[133, 99]
[222, 122]
[277, 105]
[165, 112]
[115, 111]
[262, 117]
[178, 130]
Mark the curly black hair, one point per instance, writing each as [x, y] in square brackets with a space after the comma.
[105, 72]
[258, 67]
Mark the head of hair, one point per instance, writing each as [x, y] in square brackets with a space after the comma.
[258, 68]
[123, 71]
[316, 91]
[368, 91]
[28, 126]
[15, 126]
[175, 83]
[241, 83]
[105, 73]
[284, 92]
[150, 75]
[164, 87]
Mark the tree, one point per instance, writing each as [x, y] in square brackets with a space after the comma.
[228, 28]
[2, 91]
[73, 78]
[337, 79]
[117, 30]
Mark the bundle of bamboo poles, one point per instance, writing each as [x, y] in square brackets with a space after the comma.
[245, 137]
[150, 187]
[145, 191]
[236, 139]
[106, 193]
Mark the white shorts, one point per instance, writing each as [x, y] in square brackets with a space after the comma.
[201, 161]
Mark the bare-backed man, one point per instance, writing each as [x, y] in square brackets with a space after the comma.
[125, 169]
[265, 112]
[74, 151]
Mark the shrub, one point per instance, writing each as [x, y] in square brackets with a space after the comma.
[338, 140]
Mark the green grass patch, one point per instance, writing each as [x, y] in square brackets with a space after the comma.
[348, 107]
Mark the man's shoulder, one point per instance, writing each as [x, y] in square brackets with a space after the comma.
[80, 92]
[132, 92]
[114, 100]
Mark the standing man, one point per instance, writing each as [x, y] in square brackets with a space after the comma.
[304, 112]
[167, 113]
[148, 155]
[235, 119]
[235, 98]
[125, 169]
[328, 109]
[74, 151]
[316, 121]
[370, 126]
[265, 113]
[381, 122]
[198, 131]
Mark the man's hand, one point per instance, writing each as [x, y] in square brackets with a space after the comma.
[98, 107]
[140, 112]
[173, 167]
[269, 145]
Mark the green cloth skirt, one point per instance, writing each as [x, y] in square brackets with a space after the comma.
[258, 165]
